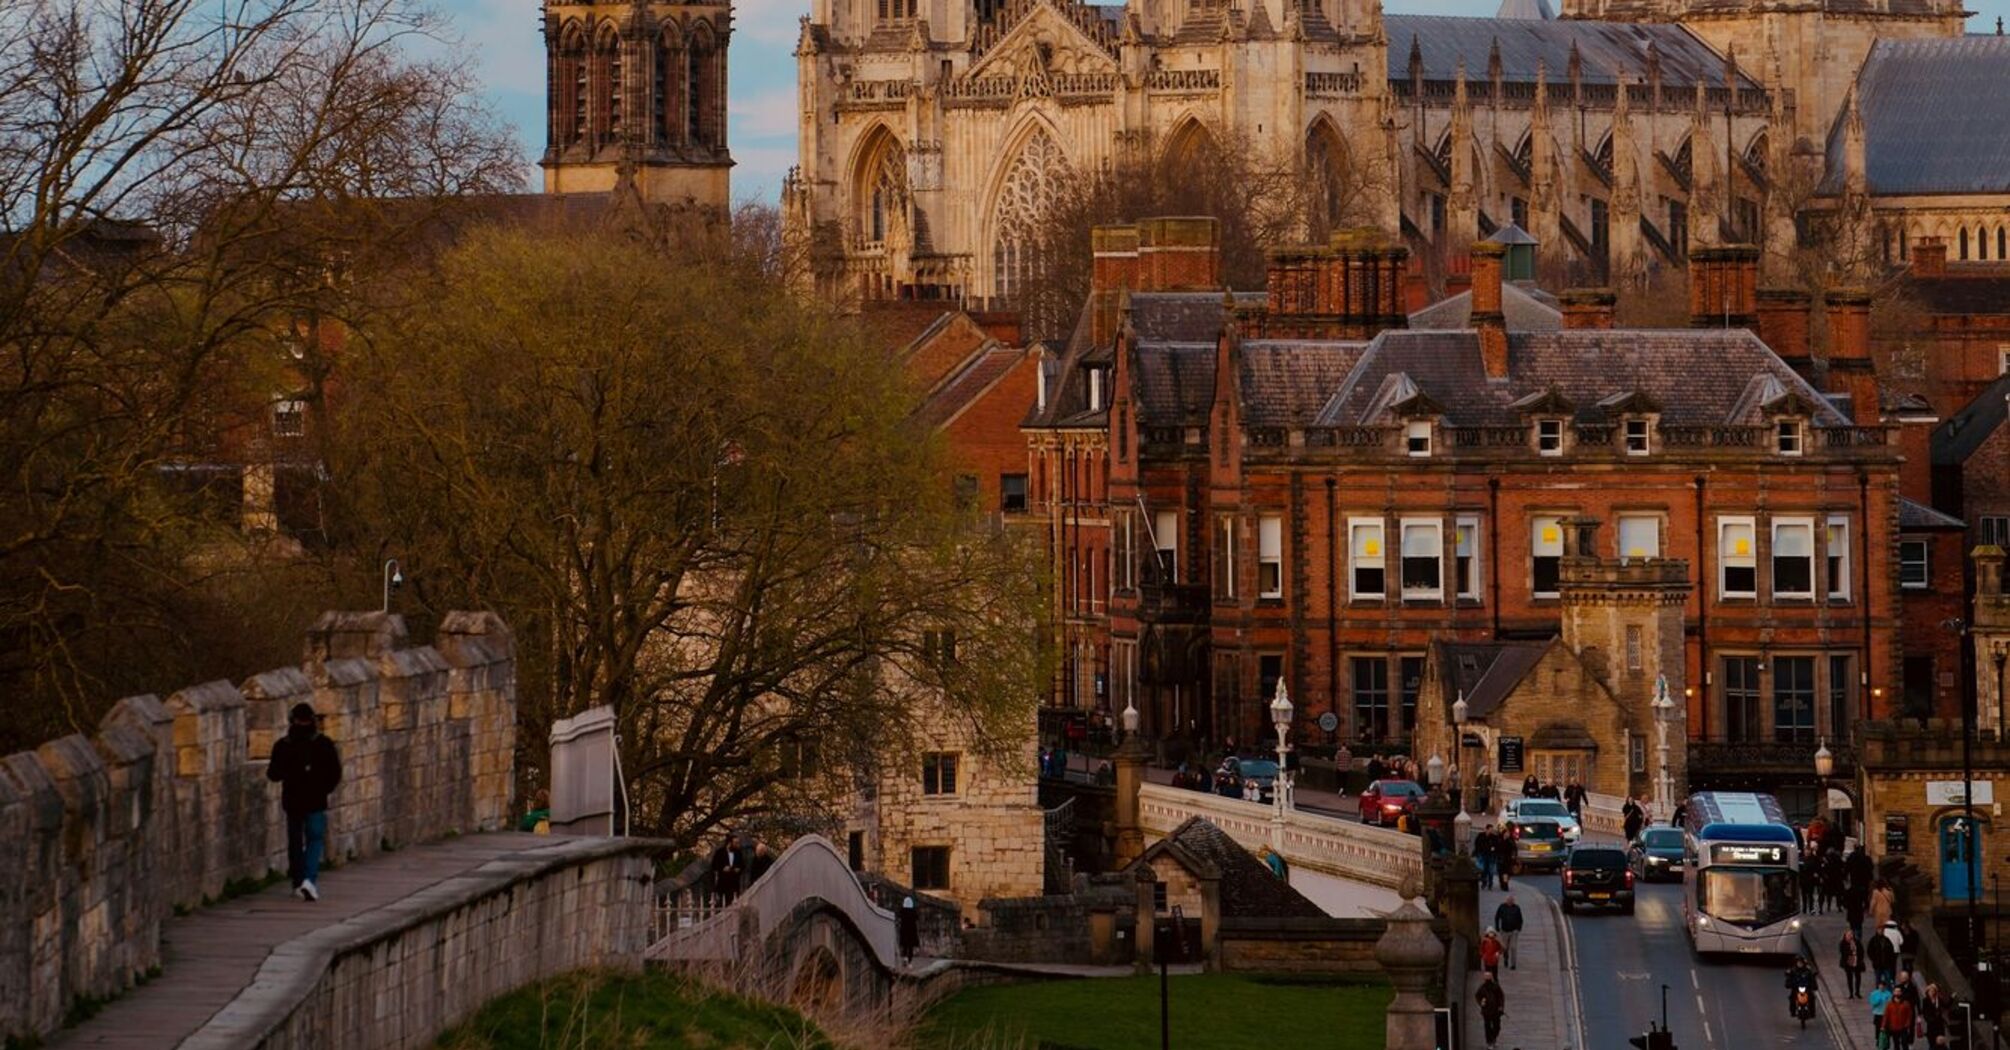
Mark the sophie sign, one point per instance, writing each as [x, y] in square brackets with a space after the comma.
[1949, 793]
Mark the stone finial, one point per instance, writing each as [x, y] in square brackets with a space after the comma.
[354, 635]
[1411, 955]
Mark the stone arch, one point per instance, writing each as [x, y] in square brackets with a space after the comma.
[879, 189]
[1189, 142]
[606, 76]
[1334, 182]
[1027, 181]
[1758, 149]
[817, 987]
[667, 92]
[570, 85]
[705, 79]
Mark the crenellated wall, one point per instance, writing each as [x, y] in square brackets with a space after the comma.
[104, 836]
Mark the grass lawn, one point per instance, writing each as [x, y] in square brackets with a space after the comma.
[653, 1010]
[1209, 1012]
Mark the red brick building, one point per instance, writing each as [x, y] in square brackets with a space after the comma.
[1290, 485]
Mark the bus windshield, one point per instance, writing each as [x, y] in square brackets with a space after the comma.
[1750, 897]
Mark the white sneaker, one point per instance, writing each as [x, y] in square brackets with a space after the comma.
[308, 892]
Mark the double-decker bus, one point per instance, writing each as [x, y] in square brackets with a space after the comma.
[1741, 893]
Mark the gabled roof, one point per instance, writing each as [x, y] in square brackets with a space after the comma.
[1936, 117]
[978, 374]
[1958, 438]
[1248, 889]
[1485, 673]
[1526, 310]
[1605, 49]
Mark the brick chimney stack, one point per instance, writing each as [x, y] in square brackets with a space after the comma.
[1850, 368]
[1724, 287]
[1179, 254]
[1929, 257]
[1587, 307]
[1784, 326]
[1113, 271]
[1486, 315]
[1349, 288]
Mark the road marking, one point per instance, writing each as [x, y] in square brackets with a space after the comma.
[1693, 982]
[1702, 1009]
[1632, 976]
[1567, 944]
[1708, 1036]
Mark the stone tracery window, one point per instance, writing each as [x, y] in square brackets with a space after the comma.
[1030, 186]
[1334, 189]
[885, 191]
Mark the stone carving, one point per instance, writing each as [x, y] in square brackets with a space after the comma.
[1032, 182]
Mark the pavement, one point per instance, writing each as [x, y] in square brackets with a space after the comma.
[1822, 934]
[1541, 1008]
[209, 956]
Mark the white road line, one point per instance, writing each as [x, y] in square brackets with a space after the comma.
[1694, 982]
[1708, 1036]
[1702, 1009]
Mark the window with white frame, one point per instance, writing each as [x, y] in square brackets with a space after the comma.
[1737, 558]
[1837, 551]
[1793, 557]
[1787, 437]
[1270, 556]
[1417, 437]
[1549, 437]
[1913, 571]
[1639, 536]
[1423, 560]
[1637, 441]
[1466, 552]
[1165, 536]
[1545, 555]
[1366, 578]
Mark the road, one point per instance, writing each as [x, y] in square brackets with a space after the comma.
[1713, 1004]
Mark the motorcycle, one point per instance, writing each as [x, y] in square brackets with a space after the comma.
[1804, 1003]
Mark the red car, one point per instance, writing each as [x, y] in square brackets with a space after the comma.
[1386, 800]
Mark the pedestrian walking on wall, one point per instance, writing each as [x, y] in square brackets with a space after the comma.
[1493, 1007]
[1507, 920]
[910, 929]
[307, 767]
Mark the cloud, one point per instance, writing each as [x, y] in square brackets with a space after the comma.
[758, 171]
[765, 113]
[769, 21]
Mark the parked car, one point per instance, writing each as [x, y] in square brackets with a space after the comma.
[1656, 853]
[1597, 876]
[1538, 844]
[1229, 779]
[1386, 800]
[1548, 809]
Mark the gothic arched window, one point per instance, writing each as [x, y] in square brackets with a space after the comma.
[569, 85]
[701, 93]
[1030, 186]
[1329, 169]
[1964, 244]
[607, 85]
[668, 89]
[883, 184]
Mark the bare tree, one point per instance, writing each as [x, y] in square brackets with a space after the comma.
[162, 163]
[698, 500]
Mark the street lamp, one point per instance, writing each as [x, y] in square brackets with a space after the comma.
[1970, 837]
[394, 577]
[1434, 772]
[1664, 713]
[1280, 717]
[1460, 712]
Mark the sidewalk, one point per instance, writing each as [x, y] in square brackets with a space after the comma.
[1821, 936]
[1541, 1000]
[211, 955]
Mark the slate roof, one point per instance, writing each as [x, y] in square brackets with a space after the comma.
[1486, 673]
[1538, 9]
[1606, 49]
[1248, 889]
[1958, 438]
[1526, 310]
[1963, 294]
[1919, 516]
[1175, 382]
[1936, 117]
[1287, 383]
[1693, 373]
[966, 385]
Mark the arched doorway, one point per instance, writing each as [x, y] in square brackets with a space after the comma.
[818, 988]
[1960, 839]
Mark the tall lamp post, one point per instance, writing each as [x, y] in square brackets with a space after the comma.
[1280, 717]
[1970, 837]
[1825, 768]
[1460, 712]
[1664, 713]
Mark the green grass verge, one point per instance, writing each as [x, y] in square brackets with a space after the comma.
[1213, 1011]
[653, 1010]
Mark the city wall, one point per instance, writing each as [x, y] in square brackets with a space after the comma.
[166, 805]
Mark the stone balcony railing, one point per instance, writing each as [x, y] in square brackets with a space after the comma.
[1765, 756]
[1377, 856]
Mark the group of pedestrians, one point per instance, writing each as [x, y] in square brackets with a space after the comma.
[1901, 1012]
[1497, 947]
[1571, 793]
[1493, 854]
[737, 865]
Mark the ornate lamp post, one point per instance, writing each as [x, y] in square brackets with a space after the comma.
[1460, 713]
[1664, 713]
[1280, 718]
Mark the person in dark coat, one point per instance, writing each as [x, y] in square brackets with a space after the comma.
[1849, 953]
[1493, 1007]
[1508, 921]
[910, 929]
[759, 863]
[308, 768]
[1859, 869]
[1883, 958]
[1855, 901]
[1483, 857]
[1908, 946]
[1504, 855]
[1635, 817]
[728, 864]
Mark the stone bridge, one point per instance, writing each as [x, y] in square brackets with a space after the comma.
[806, 933]
[1341, 848]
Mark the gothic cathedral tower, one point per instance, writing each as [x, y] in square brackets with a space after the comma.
[638, 87]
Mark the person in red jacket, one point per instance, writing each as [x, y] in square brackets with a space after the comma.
[1491, 950]
[1900, 1021]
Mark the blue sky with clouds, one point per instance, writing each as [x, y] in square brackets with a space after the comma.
[502, 37]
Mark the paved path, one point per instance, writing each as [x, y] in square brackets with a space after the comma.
[1540, 1003]
[212, 955]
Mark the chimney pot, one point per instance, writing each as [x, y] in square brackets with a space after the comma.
[1487, 318]
[1724, 287]
[1850, 368]
[1929, 257]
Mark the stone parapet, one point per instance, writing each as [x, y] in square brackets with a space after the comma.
[167, 804]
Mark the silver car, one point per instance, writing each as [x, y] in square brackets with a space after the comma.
[1546, 809]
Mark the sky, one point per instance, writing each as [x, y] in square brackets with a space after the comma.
[502, 37]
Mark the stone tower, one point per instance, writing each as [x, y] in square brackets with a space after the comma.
[638, 91]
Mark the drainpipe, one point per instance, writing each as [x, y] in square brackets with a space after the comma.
[1702, 616]
[1494, 549]
[1332, 605]
[1864, 608]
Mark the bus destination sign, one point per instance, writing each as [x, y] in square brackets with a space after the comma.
[1747, 853]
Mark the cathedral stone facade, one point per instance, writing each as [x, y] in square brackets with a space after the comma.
[1621, 135]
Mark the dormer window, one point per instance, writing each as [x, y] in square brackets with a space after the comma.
[1417, 437]
[1636, 437]
[1787, 437]
[1549, 437]
[1095, 390]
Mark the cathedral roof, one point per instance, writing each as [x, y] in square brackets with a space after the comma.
[1605, 49]
[1936, 117]
[1536, 9]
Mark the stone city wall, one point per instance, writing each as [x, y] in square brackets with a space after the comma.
[166, 805]
[398, 977]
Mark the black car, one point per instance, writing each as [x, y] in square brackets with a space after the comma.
[1598, 875]
[1656, 853]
